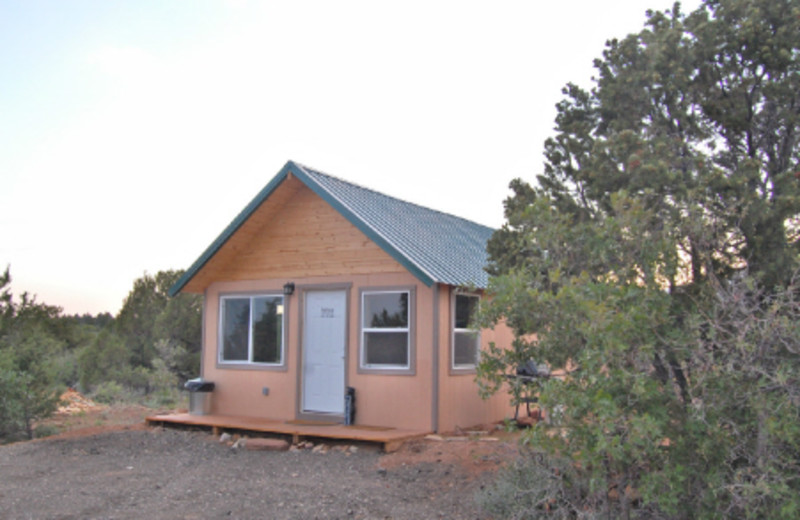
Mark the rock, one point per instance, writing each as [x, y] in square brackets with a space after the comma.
[240, 443]
[260, 444]
[225, 437]
[320, 448]
[434, 437]
[352, 449]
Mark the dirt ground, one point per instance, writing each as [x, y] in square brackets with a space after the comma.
[107, 464]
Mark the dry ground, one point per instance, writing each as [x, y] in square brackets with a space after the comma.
[106, 464]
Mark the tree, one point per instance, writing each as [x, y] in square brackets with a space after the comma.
[138, 315]
[149, 314]
[154, 326]
[28, 382]
[179, 332]
[657, 256]
[105, 358]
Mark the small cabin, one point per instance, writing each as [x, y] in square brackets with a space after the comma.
[320, 287]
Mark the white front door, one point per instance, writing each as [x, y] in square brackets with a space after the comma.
[324, 331]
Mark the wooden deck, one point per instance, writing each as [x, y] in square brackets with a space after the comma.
[389, 438]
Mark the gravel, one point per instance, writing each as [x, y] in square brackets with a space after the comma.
[167, 473]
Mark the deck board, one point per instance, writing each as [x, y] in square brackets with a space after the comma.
[390, 439]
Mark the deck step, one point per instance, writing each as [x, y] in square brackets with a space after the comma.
[390, 439]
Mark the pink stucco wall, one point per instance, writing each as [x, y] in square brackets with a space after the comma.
[383, 399]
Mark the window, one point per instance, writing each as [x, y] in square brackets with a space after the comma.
[466, 341]
[251, 329]
[385, 332]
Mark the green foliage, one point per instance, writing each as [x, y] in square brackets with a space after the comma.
[157, 386]
[534, 484]
[135, 322]
[111, 392]
[177, 330]
[45, 430]
[28, 386]
[655, 258]
[143, 355]
[164, 382]
[149, 314]
[151, 347]
[105, 358]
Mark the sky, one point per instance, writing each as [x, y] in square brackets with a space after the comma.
[132, 132]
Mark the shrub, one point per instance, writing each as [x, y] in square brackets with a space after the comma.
[111, 392]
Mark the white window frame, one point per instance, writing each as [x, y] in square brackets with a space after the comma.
[382, 368]
[476, 333]
[249, 363]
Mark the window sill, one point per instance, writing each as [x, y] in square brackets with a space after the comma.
[463, 371]
[232, 365]
[410, 371]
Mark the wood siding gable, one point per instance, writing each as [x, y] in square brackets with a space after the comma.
[293, 233]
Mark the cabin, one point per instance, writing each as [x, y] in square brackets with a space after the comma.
[321, 287]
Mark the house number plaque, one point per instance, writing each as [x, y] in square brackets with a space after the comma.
[327, 312]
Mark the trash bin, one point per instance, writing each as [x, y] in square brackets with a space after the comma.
[199, 396]
[350, 406]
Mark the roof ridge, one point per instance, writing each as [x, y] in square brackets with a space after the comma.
[356, 214]
[382, 194]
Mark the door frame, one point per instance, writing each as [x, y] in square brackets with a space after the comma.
[302, 290]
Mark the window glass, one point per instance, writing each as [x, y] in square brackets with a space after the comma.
[386, 348]
[465, 348]
[267, 329]
[465, 309]
[252, 329]
[385, 336]
[236, 327]
[466, 341]
[386, 310]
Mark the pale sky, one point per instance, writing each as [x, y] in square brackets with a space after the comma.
[132, 132]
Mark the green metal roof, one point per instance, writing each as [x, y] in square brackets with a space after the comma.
[434, 246]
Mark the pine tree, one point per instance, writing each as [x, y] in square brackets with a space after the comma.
[657, 256]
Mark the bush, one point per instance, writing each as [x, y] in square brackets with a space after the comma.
[111, 392]
[45, 430]
[529, 488]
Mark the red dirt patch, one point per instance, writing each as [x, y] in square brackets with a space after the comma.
[473, 454]
[79, 416]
